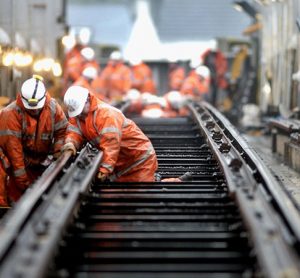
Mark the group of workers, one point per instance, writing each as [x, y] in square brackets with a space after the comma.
[113, 81]
[34, 128]
[116, 79]
[181, 87]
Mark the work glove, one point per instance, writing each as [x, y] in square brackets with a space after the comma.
[101, 176]
[69, 147]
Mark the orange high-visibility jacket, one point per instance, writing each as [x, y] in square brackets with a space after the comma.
[83, 82]
[94, 87]
[126, 150]
[141, 77]
[92, 64]
[194, 86]
[116, 80]
[26, 141]
[176, 78]
[218, 61]
[73, 69]
[98, 88]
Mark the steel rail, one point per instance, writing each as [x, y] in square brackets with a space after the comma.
[185, 229]
[19, 217]
[263, 175]
[36, 232]
[253, 186]
[15, 218]
[31, 253]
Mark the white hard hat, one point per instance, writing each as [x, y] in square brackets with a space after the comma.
[75, 99]
[88, 53]
[203, 71]
[115, 55]
[133, 94]
[33, 93]
[146, 98]
[90, 72]
[175, 99]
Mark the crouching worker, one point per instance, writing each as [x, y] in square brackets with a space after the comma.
[128, 155]
[31, 128]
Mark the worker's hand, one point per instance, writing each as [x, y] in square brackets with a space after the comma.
[69, 147]
[56, 155]
[102, 177]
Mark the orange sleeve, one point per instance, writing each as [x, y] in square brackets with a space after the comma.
[126, 79]
[74, 134]
[187, 87]
[12, 133]
[109, 127]
[60, 127]
[176, 79]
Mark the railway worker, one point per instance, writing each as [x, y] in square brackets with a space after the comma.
[91, 80]
[175, 103]
[128, 155]
[176, 76]
[89, 59]
[134, 97]
[116, 78]
[197, 84]
[72, 69]
[152, 106]
[86, 78]
[31, 127]
[215, 60]
[141, 76]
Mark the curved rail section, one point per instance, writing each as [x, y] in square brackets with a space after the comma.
[270, 215]
[30, 233]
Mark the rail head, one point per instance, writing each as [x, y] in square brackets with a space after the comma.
[266, 207]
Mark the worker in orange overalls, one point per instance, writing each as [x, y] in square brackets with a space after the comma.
[31, 128]
[74, 51]
[176, 76]
[75, 65]
[128, 155]
[215, 60]
[116, 78]
[91, 80]
[72, 69]
[197, 84]
[152, 106]
[174, 107]
[170, 105]
[86, 78]
[89, 59]
[134, 97]
[141, 76]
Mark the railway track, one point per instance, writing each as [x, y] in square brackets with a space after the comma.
[231, 220]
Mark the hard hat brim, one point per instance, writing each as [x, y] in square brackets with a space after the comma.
[76, 112]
